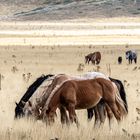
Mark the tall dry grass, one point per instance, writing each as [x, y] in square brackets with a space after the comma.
[64, 59]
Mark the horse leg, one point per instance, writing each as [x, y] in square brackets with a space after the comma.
[90, 113]
[64, 117]
[93, 62]
[102, 112]
[88, 61]
[135, 60]
[130, 61]
[115, 110]
[97, 117]
[97, 61]
[49, 115]
[72, 113]
[109, 114]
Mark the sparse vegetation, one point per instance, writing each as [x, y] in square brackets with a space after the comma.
[15, 85]
[27, 52]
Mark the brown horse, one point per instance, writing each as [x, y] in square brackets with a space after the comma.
[102, 110]
[95, 58]
[84, 94]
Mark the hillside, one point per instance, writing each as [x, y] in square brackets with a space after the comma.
[67, 9]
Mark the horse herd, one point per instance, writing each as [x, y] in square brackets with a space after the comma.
[95, 57]
[102, 96]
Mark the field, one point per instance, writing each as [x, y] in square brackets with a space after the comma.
[30, 49]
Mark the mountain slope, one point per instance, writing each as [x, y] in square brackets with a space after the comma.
[68, 9]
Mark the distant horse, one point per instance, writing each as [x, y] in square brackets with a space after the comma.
[131, 55]
[84, 94]
[101, 110]
[95, 58]
[119, 60]
[19, 106]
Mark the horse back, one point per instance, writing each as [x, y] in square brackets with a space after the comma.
[106, 85]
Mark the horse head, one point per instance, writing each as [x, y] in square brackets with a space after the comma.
[127, 54]
[19, 110]
[30, 109]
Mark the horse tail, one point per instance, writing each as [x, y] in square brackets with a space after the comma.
[121, 92]
[123, 95]
[86, 59]
[120, 104]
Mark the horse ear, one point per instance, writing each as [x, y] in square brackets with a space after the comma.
[30, 104]
[23, 102]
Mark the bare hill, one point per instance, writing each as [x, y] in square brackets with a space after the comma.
[67, 9]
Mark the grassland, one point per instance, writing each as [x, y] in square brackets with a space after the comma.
[42, 48]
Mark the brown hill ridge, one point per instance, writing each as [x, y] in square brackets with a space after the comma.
[67, 9]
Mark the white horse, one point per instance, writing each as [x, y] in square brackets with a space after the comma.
[35, 98]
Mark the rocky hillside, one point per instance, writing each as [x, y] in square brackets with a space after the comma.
[67, 9]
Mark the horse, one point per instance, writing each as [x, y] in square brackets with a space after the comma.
[101, 109]
[95, 58]
[88, 58]
[119, 60]
[30, 108]
[30, 91]
[131, 55]
[33, 107]
[83, 94]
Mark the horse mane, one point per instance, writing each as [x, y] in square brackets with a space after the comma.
[33, 87]
[52, 93]
[122, 92]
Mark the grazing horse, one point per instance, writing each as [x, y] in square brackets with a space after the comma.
[19, 106]
[95, 58]
[32, 107]
[83, 94]
[119, 60]
[101, 110]
[131, 55]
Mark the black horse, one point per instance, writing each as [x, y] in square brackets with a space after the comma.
[119, 60]
[32, 88]
[131, 55]
[101, 104]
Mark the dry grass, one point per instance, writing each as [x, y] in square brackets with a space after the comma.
[43, 59]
